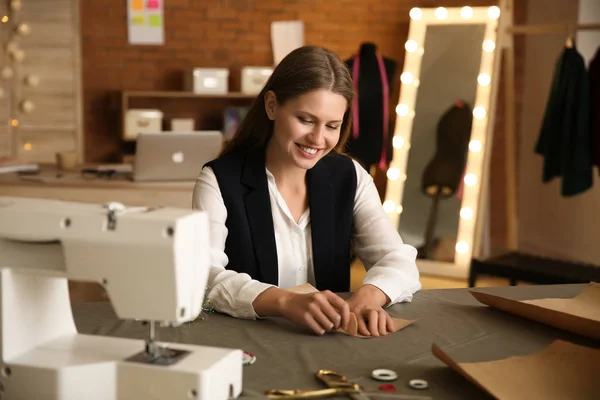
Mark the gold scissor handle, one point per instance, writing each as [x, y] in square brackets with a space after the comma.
[336, 382]
[334, 379]
[300, 394]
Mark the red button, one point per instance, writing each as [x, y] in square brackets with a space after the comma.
[386, 387]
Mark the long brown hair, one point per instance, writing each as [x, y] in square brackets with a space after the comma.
[303, 70]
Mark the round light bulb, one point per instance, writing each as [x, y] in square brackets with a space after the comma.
[397, 142]
[393, 174]
[27, 106]
[470, 179]
[15, 5]
[402, 110]
[7, 72]
[406, 78]
[411, 46]
[466, 12]
[32, 80]
[479, 112]
[489, 45]
[415, 13]
[389, 206]
[23, 29]
[399, 209]
[494, 12]
[462, 247]
[466, 213]
[484, 79]
[14, 122]
[27, 146]
[5, 19]
[441, 13]
[475, 146]
[18, 55]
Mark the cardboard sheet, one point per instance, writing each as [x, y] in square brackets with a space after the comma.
[561, 371]
[580, 314]
[353, 325]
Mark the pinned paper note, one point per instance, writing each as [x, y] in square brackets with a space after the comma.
[145, 22]
[153, 4]
[137, 5]
[155, 20]
[353, 324]
[138, 20]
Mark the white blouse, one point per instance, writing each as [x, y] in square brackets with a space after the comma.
[390, 264]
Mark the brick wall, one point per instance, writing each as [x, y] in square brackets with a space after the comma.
[234, 33]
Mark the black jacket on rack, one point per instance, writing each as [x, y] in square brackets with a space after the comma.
[594, 78]
[564, 140]
[367, 148]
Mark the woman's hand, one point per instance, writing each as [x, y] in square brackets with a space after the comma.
[320, 311]
[366, 303]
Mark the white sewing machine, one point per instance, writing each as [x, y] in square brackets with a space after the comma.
[153, 264]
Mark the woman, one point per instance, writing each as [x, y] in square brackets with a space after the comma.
[287, 208]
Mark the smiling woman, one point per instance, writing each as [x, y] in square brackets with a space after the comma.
[288, 208]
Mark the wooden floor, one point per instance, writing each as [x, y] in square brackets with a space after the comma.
[358, 272]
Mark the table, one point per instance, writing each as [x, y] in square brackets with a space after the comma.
[288, 357]
[72, 186]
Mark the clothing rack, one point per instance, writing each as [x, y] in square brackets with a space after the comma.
[510, 122]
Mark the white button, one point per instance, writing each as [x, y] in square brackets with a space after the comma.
[301, 268]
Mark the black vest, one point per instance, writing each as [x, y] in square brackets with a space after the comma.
[250, 244]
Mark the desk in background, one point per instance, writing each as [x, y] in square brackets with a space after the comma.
[73, 186]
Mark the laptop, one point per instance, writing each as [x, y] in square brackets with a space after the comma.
[174, 156]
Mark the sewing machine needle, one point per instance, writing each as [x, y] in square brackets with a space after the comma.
[151, 347]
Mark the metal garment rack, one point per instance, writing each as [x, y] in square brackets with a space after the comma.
[514, 265]
[510, 122]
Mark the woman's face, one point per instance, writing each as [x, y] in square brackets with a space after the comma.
[306, 128]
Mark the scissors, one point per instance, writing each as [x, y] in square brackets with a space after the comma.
[337, 384]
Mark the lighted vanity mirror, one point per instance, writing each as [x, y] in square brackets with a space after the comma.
[441, 138]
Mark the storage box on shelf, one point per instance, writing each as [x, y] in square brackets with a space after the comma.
[207, 80]
[254, 79]
[142, 121]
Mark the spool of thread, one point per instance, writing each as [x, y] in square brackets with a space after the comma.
[66, 160]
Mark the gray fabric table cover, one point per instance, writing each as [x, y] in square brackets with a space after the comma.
[288, 357]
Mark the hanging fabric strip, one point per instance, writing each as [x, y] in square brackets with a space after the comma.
[386, 96]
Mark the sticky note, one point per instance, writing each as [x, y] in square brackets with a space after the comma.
[154, 20]
[153, 4]
[137, 5]
[138, 20]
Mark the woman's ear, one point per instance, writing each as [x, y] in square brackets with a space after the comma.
[270, 104]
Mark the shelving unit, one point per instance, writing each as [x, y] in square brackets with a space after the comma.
[181, 94]
[204, 108]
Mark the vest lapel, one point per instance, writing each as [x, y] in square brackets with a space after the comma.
[260, 218]
[320, 200]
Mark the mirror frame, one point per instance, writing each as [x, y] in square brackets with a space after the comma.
[477, 165]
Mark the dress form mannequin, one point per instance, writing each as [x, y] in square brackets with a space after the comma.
[443, 175]
[367, 147]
